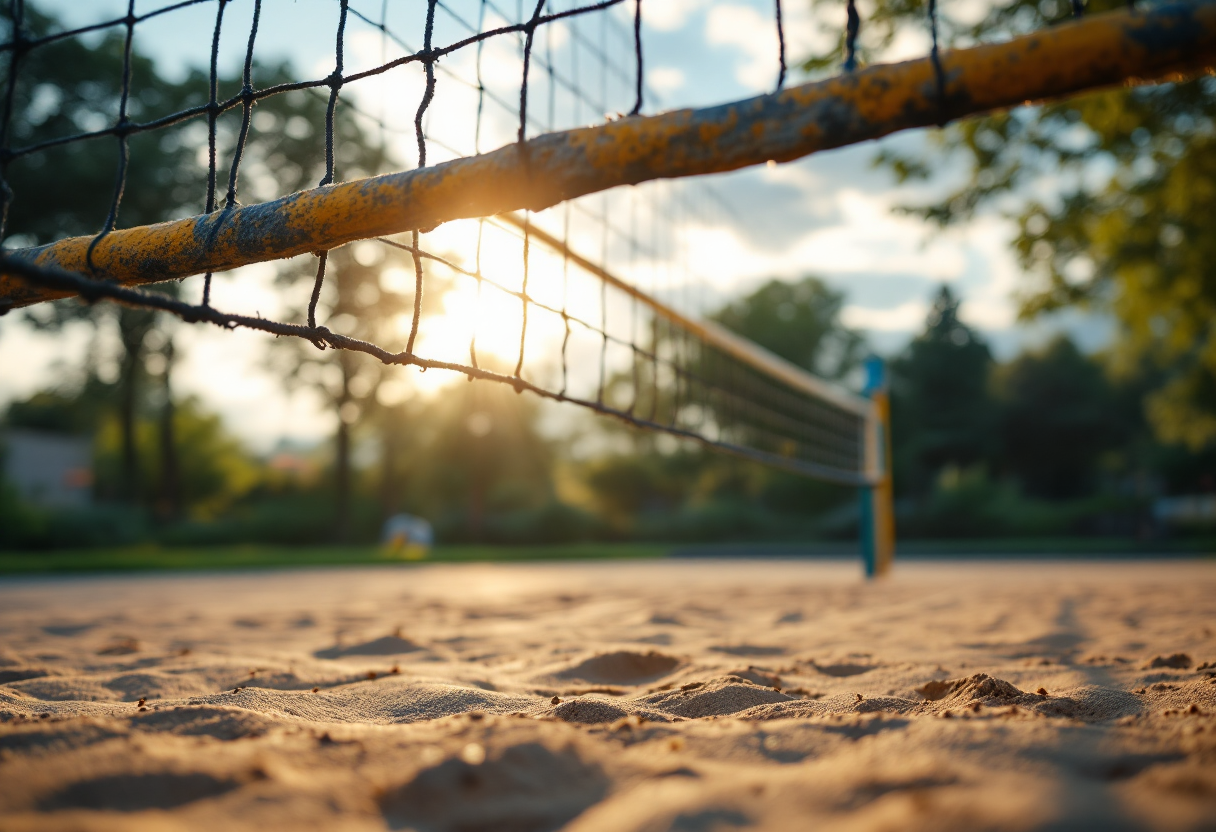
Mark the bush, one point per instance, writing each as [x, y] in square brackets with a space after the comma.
[970, 505]
[27, 527]
[553, 522]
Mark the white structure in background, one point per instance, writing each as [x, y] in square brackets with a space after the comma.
[407, 536]
[1188, 510]
[48, 469]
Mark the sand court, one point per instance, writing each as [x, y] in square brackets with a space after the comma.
[678, 694]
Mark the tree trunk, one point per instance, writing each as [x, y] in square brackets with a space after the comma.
[391, 485]
[129, 485]
[342, 459]
[169, 494]
[342, 484]
[477, 507]
[133, 328]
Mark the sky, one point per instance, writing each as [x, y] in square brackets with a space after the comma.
[829, 215]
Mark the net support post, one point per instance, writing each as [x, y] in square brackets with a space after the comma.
[877, 518]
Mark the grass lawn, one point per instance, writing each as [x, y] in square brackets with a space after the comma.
[260, 557]
[150, 557]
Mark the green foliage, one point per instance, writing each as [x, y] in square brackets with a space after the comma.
[626, 485]
[553, 522]
[1113, 194]
[696, 494]
[1061, 419]
[942, 413]
[967, 503]
[71, 86]
[880, 26]
[194, 557]
[483, 454]
[63, 410]
[26, 527]
[216, 471]
[20, 526]
[1048, 443]
[799, 322]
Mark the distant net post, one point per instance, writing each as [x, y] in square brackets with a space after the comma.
[878, 498]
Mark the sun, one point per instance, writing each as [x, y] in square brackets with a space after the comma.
[485, 315]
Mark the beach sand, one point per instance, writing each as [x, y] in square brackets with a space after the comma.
[668, 695]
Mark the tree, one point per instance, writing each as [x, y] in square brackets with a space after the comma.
[215, 470]
[79, 409]
[942, 414]
[66, 87]
[798, 321]
[483, 455]
[1113, 194]
[1059, 416]
[71, 85]
[359, 300]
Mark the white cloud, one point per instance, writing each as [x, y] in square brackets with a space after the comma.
[868, 239]
[666, 15]
[753, 34]
[906, 317]
[665, 79]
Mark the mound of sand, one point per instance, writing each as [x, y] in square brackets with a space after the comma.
[532, 698]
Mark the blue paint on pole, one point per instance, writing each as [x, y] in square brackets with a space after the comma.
[875, 380]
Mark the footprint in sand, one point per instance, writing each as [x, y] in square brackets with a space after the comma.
[138, 792]
[68, 629]
[623, 667]
[121, 646]
[748, 650]
[384, 646]
[843, 669]
[509, 788]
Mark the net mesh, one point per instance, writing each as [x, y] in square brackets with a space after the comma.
[443, 80]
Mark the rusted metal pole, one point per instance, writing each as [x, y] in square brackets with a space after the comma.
[1115, 48]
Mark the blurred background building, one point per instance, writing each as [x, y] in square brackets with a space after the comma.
[48, 470]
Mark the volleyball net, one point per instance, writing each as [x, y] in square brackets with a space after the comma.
[498, 188]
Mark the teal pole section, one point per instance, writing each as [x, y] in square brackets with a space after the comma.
[875, 373]
[869, 540]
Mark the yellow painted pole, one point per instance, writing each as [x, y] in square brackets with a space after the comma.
[1102, 50]
[883, 493]
[877, 515]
